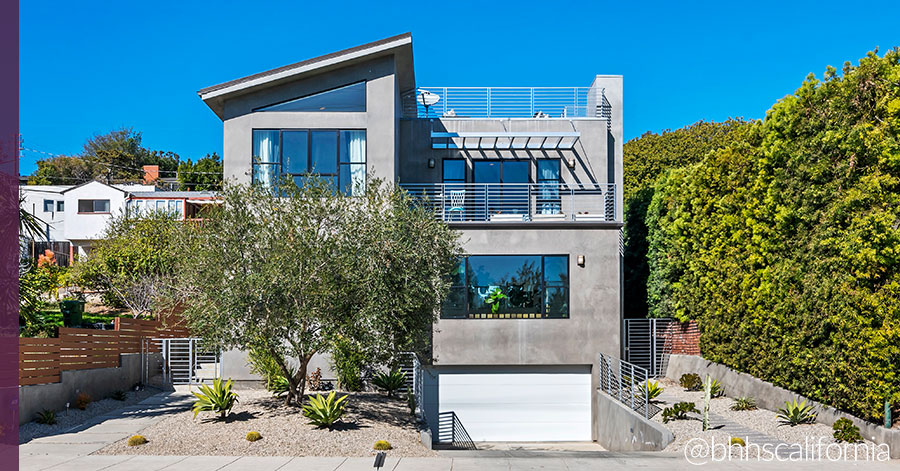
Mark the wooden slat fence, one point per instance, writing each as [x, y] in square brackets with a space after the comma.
[38, 361]
[41, 360]
[81, 349]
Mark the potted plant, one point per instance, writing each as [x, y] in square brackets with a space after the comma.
[494, 299]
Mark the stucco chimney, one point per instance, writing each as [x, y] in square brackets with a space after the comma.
[151, 174]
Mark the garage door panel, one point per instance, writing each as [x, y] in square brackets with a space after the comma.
[525, 432]
[491, 413]
[473, 394]
[516, 379]
[519, 405]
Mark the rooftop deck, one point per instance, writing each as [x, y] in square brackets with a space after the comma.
[508, 102]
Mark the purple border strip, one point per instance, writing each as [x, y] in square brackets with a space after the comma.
[9, 235]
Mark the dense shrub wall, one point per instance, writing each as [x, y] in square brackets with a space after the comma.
[784, 244]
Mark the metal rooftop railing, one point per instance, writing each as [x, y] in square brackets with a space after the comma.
[508, 102]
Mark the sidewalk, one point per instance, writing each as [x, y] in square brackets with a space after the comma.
[527, 462]
[97, 433]
[71, 451]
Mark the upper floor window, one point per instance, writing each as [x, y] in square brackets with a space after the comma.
[48, 206]
[509, 287]
[93, 206]
[338, 156]
[60, 206]
[346, 98]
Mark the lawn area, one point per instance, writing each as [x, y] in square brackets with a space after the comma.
[53, 316]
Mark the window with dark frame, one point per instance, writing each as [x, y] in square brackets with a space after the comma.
[336, 155]
[548, 179]
[345, 98]
[522, 286]
[60, 206]
[48, 206]
[93, 206]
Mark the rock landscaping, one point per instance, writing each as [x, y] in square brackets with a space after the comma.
[283, 430]
[66, 420]
[763, 425]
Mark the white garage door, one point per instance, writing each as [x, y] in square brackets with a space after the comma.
[520, 405]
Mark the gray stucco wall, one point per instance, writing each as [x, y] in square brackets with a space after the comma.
[771, 397]
[621, 429]
[99, 383]
[379, 120]
[236, 366]
[594, 322]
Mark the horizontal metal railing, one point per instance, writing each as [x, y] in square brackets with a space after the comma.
[507, 102]
[452, 434]
[516, 202]
[627, 383]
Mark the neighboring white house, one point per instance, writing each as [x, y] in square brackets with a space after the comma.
[89, 207]
[46, 202]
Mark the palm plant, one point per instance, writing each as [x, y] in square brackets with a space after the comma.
[390, 382]
[219, 398]
[795, 413]
[325, 411]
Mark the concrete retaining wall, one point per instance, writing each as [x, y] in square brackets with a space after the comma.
[771, 397]
[621, 429]
[99, 383]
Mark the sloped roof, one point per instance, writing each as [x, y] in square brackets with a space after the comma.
[401, 44]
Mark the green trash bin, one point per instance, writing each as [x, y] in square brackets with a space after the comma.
[71, 312]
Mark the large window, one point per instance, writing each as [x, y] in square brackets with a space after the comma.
[347, 98]
[338, 156]
[93, 206]
[509, 287]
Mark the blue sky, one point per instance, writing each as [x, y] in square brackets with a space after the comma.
[91, 67]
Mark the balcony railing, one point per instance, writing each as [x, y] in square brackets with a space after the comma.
[517, 202]
[509, 102]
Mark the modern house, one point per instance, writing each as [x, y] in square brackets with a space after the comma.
[531, 177]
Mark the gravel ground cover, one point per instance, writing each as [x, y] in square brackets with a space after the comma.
[759, 420]
[285, 431]
[75, 417]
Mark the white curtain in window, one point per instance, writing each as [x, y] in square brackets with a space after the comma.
[265, 151]
[357, 154]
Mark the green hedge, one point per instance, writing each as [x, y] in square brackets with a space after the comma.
[785, 245]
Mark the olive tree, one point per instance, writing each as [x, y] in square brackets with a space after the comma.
[289, 272]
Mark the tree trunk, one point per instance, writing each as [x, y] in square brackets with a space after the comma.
[286, 371]
[301, 372]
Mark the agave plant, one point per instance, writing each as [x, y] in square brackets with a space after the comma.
[796, 413]
[649, 389]
[678, 412]
[217, 398]
[46, 416]
[716, 389]
[744, 403]
[325, 411]
[390, 382]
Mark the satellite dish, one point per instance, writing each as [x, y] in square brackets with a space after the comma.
[427, 99]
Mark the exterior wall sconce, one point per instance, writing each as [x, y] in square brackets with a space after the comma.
[430, 163]
[571, 163]
[580, 260]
